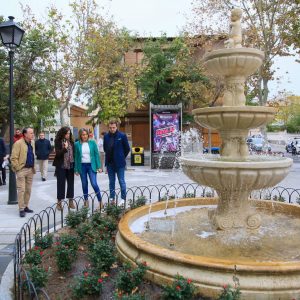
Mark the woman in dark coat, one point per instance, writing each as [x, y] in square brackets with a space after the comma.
[64, 166]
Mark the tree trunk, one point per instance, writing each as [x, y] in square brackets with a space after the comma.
[63, 111]
[265, 91]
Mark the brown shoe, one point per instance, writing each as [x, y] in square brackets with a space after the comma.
[71, 204]
[59, 206]
[100, 206]
[86, 203]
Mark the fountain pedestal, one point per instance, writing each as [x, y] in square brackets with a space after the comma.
[234, 211]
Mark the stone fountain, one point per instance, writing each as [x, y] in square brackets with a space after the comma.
[231, 218]
[235, 174]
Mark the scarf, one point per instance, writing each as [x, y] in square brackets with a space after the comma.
[68, 157]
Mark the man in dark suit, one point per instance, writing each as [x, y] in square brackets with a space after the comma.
[2, 157]
[116, 148]
[42, 151]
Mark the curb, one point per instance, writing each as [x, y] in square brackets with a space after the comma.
[7, 282]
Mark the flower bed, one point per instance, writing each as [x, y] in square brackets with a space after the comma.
[80, 262]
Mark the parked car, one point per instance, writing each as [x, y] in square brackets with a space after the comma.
[258, 144]
[296, 143]
[214, 150]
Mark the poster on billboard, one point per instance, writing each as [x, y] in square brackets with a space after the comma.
[165, 132]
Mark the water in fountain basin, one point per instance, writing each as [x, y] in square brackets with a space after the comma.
[277, 239]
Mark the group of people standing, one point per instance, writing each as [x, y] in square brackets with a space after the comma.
[81, 158]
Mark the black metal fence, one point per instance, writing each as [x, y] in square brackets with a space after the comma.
[50, 219]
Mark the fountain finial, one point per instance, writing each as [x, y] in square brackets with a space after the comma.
[235, 35]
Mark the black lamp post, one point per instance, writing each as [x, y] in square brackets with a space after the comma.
[11, 36]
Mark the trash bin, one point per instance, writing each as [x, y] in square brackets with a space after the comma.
[137, 156]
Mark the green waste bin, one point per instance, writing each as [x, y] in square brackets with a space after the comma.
[137, 156]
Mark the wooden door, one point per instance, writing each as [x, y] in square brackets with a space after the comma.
[141, 135]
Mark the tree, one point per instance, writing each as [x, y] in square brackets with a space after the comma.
[67, 55]
[288, 111]
[34, 104]
[292, 28]
[265, 23]
[171, 74]
[110, 84]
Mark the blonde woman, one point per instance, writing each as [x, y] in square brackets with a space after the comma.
[87, 164]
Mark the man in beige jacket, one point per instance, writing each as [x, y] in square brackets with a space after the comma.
[22, 163]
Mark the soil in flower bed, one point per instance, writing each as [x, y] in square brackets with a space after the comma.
[59, 285]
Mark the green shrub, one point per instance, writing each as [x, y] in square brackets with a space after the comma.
[87, 284]
[128, 279]
[181, 289]
[74, 218]
[70, 241]
[105, 223]
[108, 224]
[83, 231]
[278, 198]
[114, 211]
[140, 201]
[38, 276]
[230, 293]
[45, 241]
[165, 197]
[65, 256]
[102, 255]
[189, 195]
[33, 256]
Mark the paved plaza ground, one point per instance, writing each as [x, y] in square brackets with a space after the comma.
[44, 195]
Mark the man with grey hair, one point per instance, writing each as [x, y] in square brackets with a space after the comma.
[22, 163]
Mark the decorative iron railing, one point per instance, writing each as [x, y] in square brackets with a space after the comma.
[50, 220]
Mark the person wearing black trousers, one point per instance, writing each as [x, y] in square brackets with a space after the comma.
[64, 166]
[2, 156]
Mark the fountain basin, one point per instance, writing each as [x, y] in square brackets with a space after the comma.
[234, 118]
[236, 62]
[251, 174]
[258, 280]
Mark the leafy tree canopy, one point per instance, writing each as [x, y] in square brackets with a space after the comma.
[171, 73]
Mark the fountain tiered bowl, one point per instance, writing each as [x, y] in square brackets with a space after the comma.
[233, 62]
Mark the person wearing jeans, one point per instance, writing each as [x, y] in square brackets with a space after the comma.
[87, 164]
[120, 172]
[116, 149]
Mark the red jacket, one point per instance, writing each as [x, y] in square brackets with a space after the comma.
[17, 137]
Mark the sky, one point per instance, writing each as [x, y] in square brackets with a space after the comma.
[152, 17]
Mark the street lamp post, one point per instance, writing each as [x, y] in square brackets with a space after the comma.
[11, 37]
